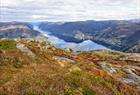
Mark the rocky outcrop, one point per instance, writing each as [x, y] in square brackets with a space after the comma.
[107, 67]
[29, 68]
[131, 57]
[25, 50]
[63, 61]
[131, 76]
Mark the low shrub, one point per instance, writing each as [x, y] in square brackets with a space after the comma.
[7, 44]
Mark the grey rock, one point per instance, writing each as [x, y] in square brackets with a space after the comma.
[126, 80]
[130, 74]
[107, 67]
[25, 50]
[63, 59]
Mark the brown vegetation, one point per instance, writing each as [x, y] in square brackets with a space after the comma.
[21, 74]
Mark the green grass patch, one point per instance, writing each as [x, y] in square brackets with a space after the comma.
[74, 74]
[7, 44]
[87, 91]
[108, 54]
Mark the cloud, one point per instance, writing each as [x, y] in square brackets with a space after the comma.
[38, 16]
[65, 10]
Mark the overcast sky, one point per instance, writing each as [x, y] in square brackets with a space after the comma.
[68, 10]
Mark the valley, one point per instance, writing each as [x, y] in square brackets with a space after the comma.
[121, 35]
[69, 47]
[37, 62]
[86, 45]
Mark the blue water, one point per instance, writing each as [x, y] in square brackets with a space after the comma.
[60, 43]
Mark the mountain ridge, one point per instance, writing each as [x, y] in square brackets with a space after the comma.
[112, 34]
[31, 65]
[17, 30]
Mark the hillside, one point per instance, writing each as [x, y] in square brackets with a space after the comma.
[118, 35]
[35, 67]
[30, 65]
[17, 30]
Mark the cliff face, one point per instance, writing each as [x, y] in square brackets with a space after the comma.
[17, 30]
[118, 35]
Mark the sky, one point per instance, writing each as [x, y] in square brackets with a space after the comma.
[68, 10]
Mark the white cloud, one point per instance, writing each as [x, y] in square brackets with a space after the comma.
[69, 9]
[38, 16]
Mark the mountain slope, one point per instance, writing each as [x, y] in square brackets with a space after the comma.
[113, 34]
[17, 30]
[36, 67]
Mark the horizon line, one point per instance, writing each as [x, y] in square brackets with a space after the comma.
[69, 20]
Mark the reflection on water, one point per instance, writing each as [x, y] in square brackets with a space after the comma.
[60, 43]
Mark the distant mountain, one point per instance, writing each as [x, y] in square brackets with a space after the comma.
[69, 31]
[36, 67]
[60, 43]
[83, 46]
[115, 34]
[17, 30]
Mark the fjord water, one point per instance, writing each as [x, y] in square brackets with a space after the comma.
[60, 43]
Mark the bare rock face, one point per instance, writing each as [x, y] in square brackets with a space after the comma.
[63, 61]
[132, 77]
[132, 57]
[107, 67]
[25, 50]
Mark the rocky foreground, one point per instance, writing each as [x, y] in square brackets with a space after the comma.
[35, 67]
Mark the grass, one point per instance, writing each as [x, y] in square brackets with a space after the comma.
[77, 80]
[7, 44]
[43, 76]
[108, 54]
[109, 84]
[16, 62]
[87, 91]
[81, 91]
[19, 63]
[68, 92]
[74, 75]
[5, 76]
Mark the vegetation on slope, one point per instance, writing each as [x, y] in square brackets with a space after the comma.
[54, 71]
[7, 44]
[120, 35]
